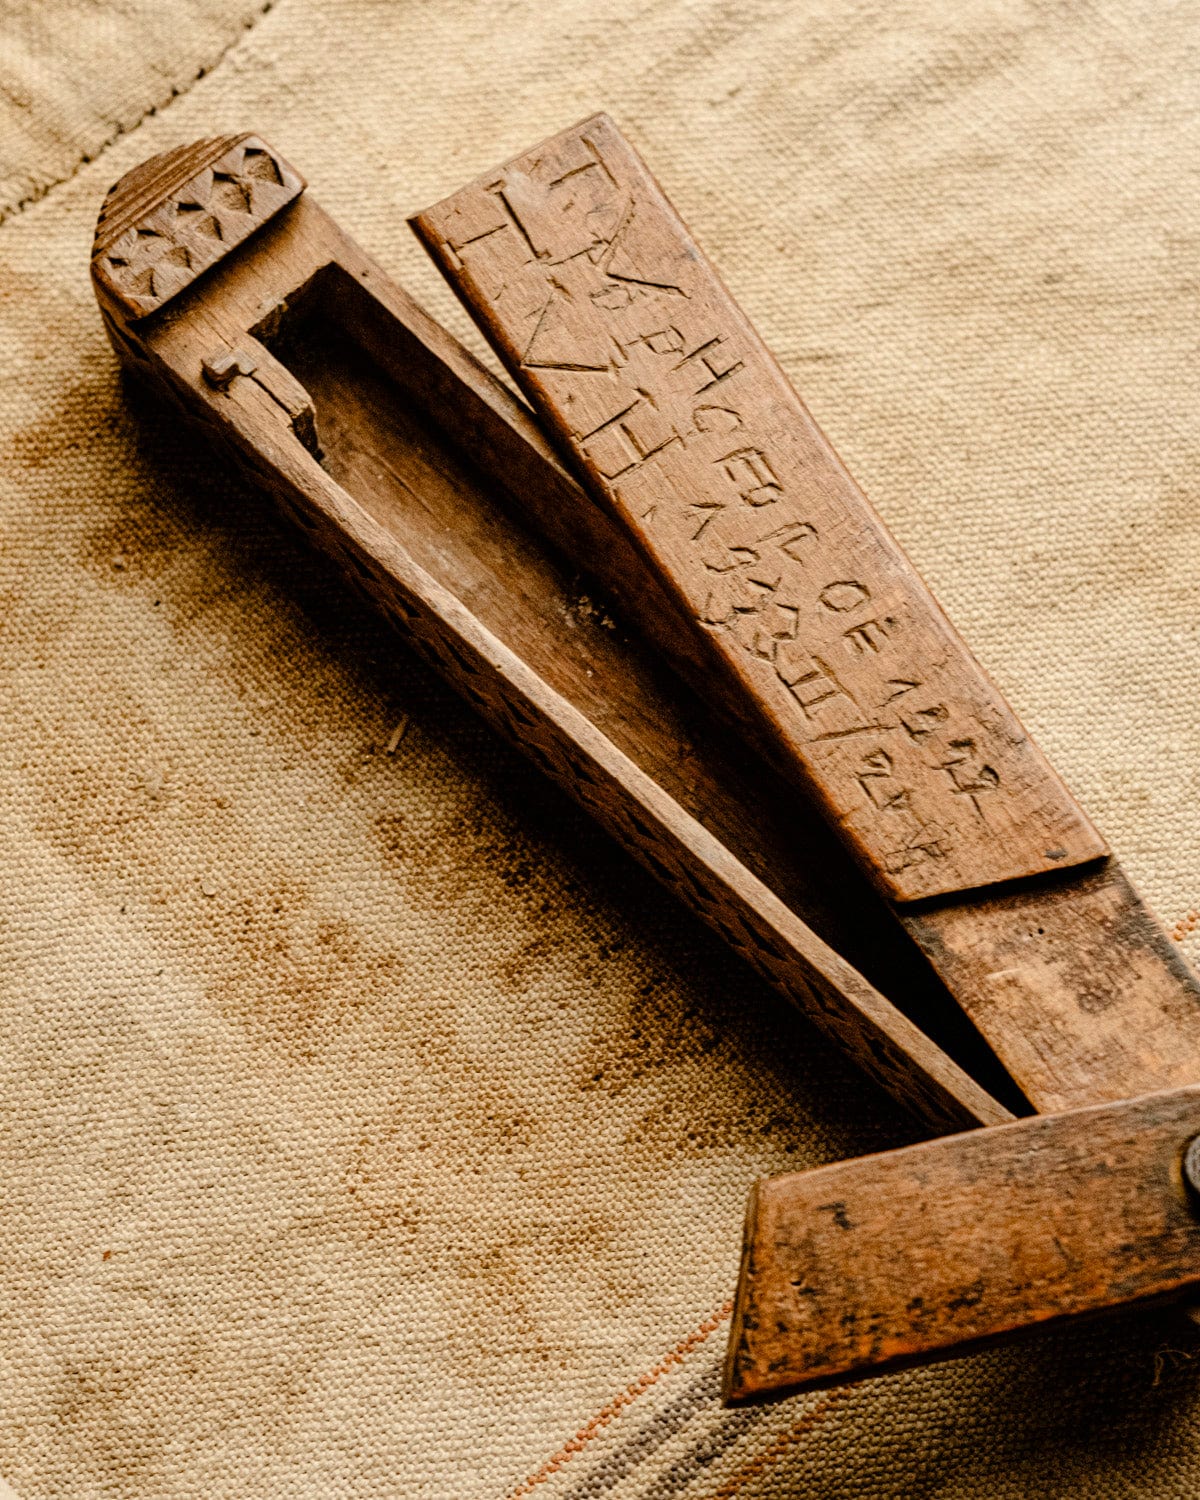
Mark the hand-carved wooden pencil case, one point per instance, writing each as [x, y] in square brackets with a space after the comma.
[223, 283]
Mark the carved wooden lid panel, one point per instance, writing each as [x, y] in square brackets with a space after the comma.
[683, 424]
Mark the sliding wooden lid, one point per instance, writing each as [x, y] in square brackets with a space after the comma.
[683, 424]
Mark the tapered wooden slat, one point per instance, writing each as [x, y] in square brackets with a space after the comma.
[935, 1249]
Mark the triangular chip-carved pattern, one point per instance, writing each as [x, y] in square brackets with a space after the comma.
[172, 218]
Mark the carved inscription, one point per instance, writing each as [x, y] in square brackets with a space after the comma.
[625, 340]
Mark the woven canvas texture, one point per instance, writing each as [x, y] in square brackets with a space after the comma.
[369, 1126]
[75, 75]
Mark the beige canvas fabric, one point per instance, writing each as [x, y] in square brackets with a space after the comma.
[75, 75]
[368, 1125]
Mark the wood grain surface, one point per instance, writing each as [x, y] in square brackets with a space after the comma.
[911, 1255]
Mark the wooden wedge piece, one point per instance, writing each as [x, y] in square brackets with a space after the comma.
[913, 1255]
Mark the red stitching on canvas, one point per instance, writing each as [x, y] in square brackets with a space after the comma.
[1186, 925]
[618, 1404]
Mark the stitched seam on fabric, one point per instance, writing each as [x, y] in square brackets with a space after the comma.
[780, 1446]
[177, 92]
[617, 1405]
